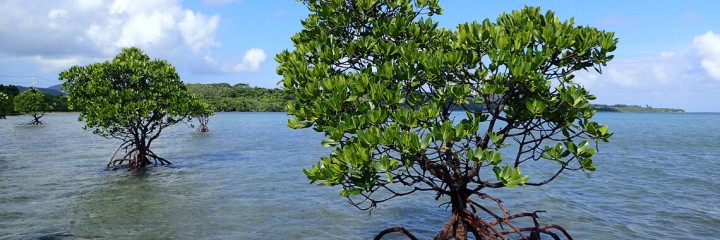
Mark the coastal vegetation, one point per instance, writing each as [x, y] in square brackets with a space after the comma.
[4, 101]
[241, 97]
[380, 80]
[133, 99]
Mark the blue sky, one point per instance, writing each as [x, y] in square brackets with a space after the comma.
[668, 55]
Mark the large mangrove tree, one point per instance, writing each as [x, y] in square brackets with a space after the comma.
[411, 107]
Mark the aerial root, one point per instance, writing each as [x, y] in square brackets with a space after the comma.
[134, 158]
[114, 161]
[203, 128]
[461, 223]
[395, 229]
[34, 122]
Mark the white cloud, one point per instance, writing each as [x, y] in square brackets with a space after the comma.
[66, 31]
[198, 30]
[708, 47]
[251, 61]
[56, 63]
[57, 17]
[85, 5]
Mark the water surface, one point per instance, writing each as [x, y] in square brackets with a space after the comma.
[656, 179]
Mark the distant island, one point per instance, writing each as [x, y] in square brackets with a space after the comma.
[633, 108]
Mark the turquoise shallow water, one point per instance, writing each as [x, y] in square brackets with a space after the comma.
[657, 179]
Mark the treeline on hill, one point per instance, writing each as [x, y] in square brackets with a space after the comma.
[58, 102]
[240, 97]
[222, 97]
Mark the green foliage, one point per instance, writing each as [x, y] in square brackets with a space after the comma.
[32, 102]
[7, 106]
[4, 103]
[201, 109]
[240, 98]
[131, 98]
[380, 80]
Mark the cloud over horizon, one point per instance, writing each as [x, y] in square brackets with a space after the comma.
[59, 34]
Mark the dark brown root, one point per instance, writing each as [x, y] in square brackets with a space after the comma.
[134, 158]
[203, 124]
[463, 222]
[34, 122]
[395, 229]
[36, 119]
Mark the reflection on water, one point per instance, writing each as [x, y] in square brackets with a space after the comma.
[242, 180]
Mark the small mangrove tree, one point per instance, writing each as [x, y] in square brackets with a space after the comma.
[32, 102]
[130, 98]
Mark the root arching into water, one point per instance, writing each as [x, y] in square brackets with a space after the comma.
[502, 226]
[136, 157]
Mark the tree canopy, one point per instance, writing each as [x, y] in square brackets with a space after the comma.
[32, 102]
[390, 91]
[130, 98]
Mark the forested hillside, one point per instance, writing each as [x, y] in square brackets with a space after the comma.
[240, 97]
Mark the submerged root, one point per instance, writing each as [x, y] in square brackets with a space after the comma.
[503, 226]
[203, 128]
[135, 158]
[34, 122]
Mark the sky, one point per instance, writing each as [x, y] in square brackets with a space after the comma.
[668, 53]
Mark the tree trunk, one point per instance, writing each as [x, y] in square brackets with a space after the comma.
[203, 128]
[456, 226]
[142, 156]
[36, 119]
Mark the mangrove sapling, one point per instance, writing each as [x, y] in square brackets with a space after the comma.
[32, 102]
[202, 112]
[381, 80]
[132, 99]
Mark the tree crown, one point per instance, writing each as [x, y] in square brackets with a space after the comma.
[32, 102]
[129, 90]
